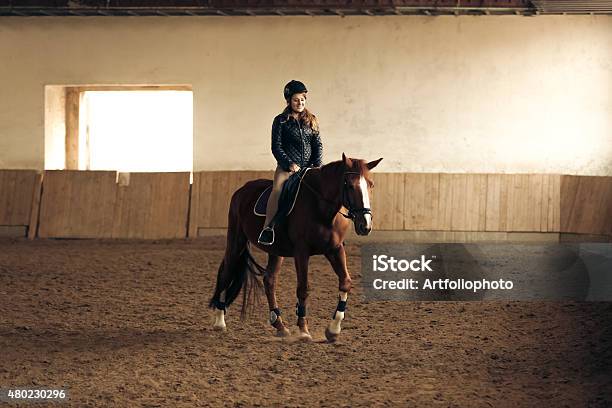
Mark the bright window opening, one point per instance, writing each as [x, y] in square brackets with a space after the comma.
[121, 130]
[136, 131]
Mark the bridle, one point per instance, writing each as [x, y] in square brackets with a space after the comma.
[352, 211]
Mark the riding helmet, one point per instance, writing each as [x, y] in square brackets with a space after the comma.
[294, 87]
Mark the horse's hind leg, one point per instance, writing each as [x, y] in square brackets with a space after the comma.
[230, 276]
[337, 259]
[272, 270]
[218, 301]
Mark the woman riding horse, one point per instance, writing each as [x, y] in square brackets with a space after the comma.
[295, 144]
[315, 226]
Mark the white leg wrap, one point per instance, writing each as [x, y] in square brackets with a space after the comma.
[334, 326]
[219, 319]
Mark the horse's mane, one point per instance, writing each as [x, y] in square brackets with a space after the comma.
[336, 168]
[333, 168]
[322, 178]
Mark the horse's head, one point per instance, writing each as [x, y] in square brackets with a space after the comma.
[356, 192]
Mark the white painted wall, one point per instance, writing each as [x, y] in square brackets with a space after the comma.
[437, 94]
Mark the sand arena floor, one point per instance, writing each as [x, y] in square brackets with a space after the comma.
[126, 324]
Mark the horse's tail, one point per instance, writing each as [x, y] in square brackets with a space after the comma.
[238, 270]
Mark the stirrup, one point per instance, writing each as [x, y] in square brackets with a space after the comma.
[266, 236]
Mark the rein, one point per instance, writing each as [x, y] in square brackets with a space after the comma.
[352, 211]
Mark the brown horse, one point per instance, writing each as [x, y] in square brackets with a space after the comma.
[316, 226]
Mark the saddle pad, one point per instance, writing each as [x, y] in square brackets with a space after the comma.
[288, 196]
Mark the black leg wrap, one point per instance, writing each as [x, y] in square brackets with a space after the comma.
[220, 305]
[300, 310]
[340, 308]
[273, 312]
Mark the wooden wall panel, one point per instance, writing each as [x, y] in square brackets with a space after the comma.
[170, 206]
[496, 214]
[35, 207]
[551, 206]
[194, 206]
[77, 204]
[586, 204]
[211, 195]
[422, 202]
[475, 203]
[199, 211]
[462, 202]
[445, 203]
[155, 205]
[530, 206]
[523, 202]
[569, 203]
[152, 206]
[17, 196]
[388, 201]
[427, 201]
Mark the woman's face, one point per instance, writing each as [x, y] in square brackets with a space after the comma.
[298, 102]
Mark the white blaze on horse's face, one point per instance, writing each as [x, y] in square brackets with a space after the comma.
[365, 197]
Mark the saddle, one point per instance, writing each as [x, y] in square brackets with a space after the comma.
[287, 199]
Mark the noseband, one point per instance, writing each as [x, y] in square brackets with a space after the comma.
[352, 211]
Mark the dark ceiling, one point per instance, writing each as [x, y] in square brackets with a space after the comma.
[298, 7]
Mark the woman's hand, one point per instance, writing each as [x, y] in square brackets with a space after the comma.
[294, 168]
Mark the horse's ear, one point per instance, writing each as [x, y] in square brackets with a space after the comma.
[373, 164]
[347, 162]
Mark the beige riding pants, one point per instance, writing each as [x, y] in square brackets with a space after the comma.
[280, 176]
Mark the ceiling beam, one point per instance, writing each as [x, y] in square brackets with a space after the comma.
[310, 7]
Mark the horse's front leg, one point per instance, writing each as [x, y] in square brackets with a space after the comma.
[272, 270]
[337, 259]
[301, 267]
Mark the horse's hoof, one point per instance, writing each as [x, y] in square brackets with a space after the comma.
[220, 328]
[304, 336]
[284, 332]
[331, 337]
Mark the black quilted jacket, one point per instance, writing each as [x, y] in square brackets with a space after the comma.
[297, 143]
